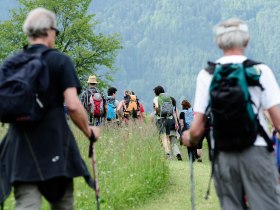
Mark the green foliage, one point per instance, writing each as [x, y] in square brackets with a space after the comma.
[167, 42]
[89, 51]
[131, 168]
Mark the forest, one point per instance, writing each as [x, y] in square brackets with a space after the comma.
[167, 42]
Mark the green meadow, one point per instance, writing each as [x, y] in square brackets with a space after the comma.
[133, 173]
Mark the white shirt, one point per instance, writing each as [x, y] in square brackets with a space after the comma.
[265, 99]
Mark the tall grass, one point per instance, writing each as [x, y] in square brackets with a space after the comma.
[131, 167]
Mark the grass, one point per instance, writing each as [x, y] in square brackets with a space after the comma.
[177, 195]
[131, 168]
[133, 174]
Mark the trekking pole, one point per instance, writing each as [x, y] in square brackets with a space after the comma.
[191, 179]
[95, 178]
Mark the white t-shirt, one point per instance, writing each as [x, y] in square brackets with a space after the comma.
[155, 102]
[265, 99]
[155, 105]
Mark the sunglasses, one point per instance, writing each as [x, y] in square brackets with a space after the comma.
[56, 30]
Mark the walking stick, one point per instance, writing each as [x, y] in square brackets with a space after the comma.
[95, 177]
[191, 179]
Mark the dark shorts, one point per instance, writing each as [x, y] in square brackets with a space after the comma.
[163, 126]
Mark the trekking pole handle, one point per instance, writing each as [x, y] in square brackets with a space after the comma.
[92, 140]
[92, 137]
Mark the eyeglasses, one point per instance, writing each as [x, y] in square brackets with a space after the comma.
[56, 30]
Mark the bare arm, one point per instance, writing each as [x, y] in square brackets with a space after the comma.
[78, 113]
[192, 136]
[175, 117]
[119, 109]
[274, 115]
[181, 121]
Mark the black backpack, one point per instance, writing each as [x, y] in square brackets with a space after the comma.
[235, 125]
[24, 78]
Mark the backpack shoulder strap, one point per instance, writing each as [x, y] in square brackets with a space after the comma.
[210, 67]
[249, 63]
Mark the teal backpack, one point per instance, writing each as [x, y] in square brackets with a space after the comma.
[235, 125]
[111, 104]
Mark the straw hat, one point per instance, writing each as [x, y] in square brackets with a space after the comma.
[92, 79]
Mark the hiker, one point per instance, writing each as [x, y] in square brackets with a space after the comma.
[141, 112]
[41, 158]
[163, 116]
[173, 137]
[248, 171]
[128, 108]
[94, 102]
[186, 118]
[112, 105]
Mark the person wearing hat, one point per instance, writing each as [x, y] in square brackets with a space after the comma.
[86, 99]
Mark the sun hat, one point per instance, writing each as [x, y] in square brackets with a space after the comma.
[92, 79]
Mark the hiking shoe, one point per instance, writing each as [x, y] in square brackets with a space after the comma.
[179, 157]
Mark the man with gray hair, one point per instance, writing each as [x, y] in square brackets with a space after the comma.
[247, 177]
[42, 158]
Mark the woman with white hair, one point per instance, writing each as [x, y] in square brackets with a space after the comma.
[42, 158]
[250, 173]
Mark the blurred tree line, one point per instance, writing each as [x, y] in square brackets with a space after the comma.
[167, 42]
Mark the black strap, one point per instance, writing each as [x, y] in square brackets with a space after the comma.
[268, 141]
[211, 67]
[249, 63]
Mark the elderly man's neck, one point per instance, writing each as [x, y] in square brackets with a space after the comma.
[40, 41]
[234, 51]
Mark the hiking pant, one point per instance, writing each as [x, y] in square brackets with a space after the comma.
[163, 126]
[28, 197]
[247, 177]
[174, 145]
[166, 143]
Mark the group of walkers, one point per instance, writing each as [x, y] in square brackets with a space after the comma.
[106, 109]
[39, 155]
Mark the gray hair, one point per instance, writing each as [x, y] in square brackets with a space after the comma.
[232, 33]
[38, 21]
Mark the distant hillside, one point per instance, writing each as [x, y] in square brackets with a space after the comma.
[168, 42]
